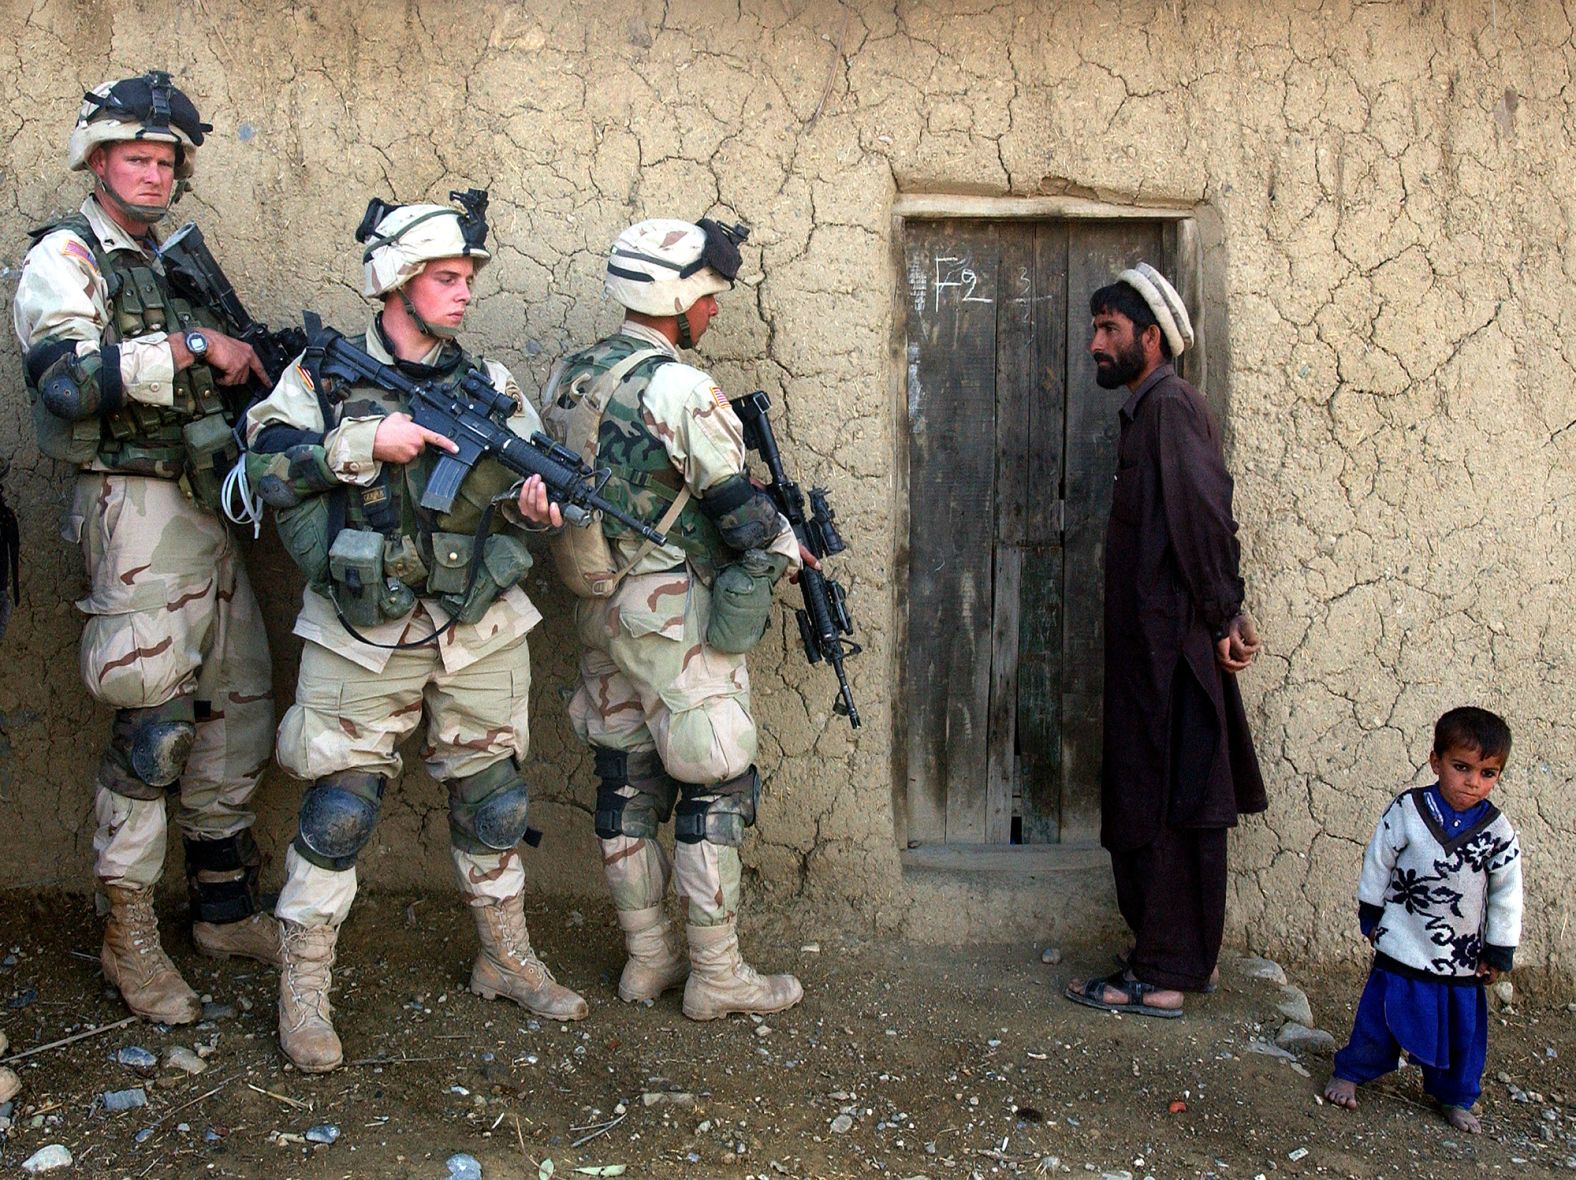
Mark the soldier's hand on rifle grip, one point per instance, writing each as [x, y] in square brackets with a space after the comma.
[399, 440]
[535, 505]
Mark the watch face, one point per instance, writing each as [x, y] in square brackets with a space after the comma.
[196, 343]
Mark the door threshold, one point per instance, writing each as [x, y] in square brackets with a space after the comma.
[1072, 856]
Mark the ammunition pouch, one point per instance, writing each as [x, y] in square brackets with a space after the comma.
[741, 601]
[504, 561]
[363, 594]
[211, 450]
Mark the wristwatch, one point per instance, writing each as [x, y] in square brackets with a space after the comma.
[196, 344]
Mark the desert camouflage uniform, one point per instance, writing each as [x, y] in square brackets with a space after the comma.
[355, 702]
[648, 680]
[172, 621]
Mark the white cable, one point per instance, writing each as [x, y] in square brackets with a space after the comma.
[240, 504]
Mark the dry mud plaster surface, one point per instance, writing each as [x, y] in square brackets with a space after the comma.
[1385, 191]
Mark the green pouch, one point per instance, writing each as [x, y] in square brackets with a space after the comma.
[70, 442]
[505, 560]
[211, 451]
[303, 530]
[741, 602]
[451, 561]
[355, 563]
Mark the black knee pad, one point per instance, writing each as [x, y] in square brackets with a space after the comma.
[489, 810]
[221, 877]
[643, 813]
[718, 812]
[337, 817]
[153, 745]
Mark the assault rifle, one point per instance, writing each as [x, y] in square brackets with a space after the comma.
[824, 619]
[194, 271]
[475, 416]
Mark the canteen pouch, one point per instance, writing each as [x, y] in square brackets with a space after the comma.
[741, 601]
[505, 560]
[355, 564]
[211, 451]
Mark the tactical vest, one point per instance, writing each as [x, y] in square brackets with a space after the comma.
[139, 439]
[374, 549]
[644, 481]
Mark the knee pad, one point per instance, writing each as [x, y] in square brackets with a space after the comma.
[488, 810]
[337, 817]
[718, 812]
[221, 877]
[153, 743]
[643, 813]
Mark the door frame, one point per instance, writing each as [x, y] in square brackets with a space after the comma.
[1192, 224]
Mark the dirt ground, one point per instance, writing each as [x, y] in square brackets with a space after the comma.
[902, 1061]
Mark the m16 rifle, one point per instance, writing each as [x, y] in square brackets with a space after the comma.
[474, 415]
[824, 619]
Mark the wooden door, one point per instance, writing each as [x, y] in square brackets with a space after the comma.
[1011, 452]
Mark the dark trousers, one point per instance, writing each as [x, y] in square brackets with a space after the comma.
[1172, 894]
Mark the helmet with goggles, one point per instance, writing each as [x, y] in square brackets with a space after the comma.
[148, 107]
[661, 266]
[401, 239]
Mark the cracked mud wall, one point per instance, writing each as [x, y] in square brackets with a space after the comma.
[1385, 190]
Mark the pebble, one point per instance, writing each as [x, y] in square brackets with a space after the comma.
[1268, 969]
[463, 1167]
[119, 1100]
[1266, 1049]
[9, 1083]
[181, 1058]
[842, 1124]
[138, 1060]
[1504, 991]
[212, 1011]
[1051, 955]
[1294, 1006]
[47, 1159]
[145, 1134]
[5, 1043]
[322, 1133]
[810, 948]
[1301, 1038]
[667, 1098]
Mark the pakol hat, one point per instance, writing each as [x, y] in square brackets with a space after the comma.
[1169, 311]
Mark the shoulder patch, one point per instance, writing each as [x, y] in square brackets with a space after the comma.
[306, 378]
[716, 393]
[73, 248]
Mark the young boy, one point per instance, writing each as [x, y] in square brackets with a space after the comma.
[1440, 900]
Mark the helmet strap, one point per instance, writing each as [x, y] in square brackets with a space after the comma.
[439, 332]
[685, 339]
[145, 214]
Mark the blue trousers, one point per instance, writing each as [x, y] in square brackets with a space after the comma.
[1442, 1027]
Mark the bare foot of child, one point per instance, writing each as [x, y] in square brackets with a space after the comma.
[1463, 1119]
[1340, 1092]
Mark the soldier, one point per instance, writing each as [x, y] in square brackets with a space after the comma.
[121, 373]
[664, 694]
[397, 618]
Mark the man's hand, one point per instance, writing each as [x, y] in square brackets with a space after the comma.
[231, 360]
[399, 440]
[809, 560]
[1236, 649]
[536, 507]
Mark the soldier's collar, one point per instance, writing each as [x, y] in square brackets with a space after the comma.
[439, 362]
[110, 235]
[647, 335]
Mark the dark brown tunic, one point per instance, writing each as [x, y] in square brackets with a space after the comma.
[1178, 753]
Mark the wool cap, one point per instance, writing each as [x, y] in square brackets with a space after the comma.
[1170, 312]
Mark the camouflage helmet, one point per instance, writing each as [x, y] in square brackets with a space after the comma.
[148, 107]
[402, 239]
[661, 266]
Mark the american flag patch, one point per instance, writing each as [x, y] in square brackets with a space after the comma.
[716, 393]
[75, 249]
[306, 378]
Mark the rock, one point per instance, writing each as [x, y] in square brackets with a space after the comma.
[212, 1011]
[1267, 969]
[116, 1101]
[9, 1083]
[1265, 1049]
[322, 1133]
[667, 1098]
[1051, 955]
[1294, 1006]
[4, 1043]
[137, 1059]
[463, 1167]
[842, 1124]
[47, 1159]
[181, 1058]
[145, 1134]
[1299, 1038]
[1504, 992]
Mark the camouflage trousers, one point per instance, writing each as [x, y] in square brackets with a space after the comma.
[649, 682]
[171, 614]
[347, 717]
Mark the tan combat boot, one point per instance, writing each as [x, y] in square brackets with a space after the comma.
[507, 966]
[255, 937]
[135, 963]
[655, 963]
[721, 982]
[306, 1029]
